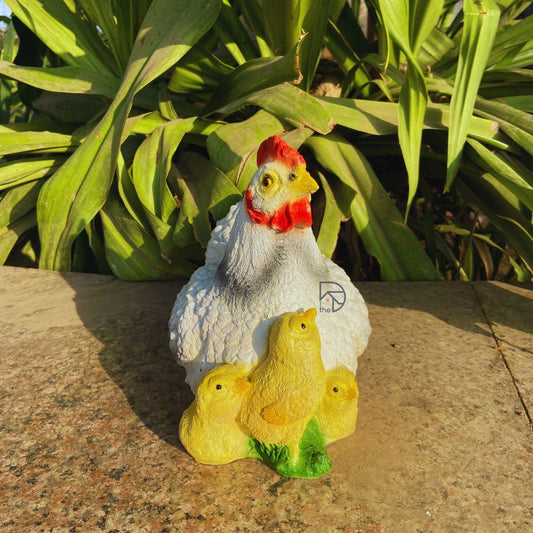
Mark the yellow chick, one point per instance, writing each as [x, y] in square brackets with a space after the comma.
[287, 383]
[337, 412]
[209, 429]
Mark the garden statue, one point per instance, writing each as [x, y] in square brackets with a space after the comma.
[260, 368]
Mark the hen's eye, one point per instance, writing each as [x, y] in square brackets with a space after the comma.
[266, 180]
[292, 176]
[219, 386]
[303, 326]
[335, 389]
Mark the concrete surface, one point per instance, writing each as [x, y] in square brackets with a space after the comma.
[91, 399]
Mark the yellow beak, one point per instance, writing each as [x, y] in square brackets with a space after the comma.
[242, 385]
[352, 393]
[310, 314]
[303, 184]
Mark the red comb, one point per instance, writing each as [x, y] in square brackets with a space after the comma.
[276, 149]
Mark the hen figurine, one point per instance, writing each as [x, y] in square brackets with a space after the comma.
[262, 261]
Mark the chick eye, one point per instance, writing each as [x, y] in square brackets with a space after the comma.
[266, 180]
[302, 325]
[219, 386]
[335, 389]
[292, 176]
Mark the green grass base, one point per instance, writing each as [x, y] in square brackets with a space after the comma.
[312, 460]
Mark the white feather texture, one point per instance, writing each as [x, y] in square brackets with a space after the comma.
[252, 275]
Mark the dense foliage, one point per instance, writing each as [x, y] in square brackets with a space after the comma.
[129, 127]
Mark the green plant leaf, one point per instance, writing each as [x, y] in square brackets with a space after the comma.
[401, 19]
[381, 118]
[119, 22]
[128, 195]
[452, 228]
[283, 24]
[203, 189]
[13, 233]
[253, 76]
[509, 114]
[480, 25]
[337, 43]
[510, 40]
[287, 103]
[133, 253]
[503, 171]
[521, 102]
[515, 123]
[35, 142]
[59, 25]
[198, 70]
[331, 220]
[18, 201]
[71, 198]
[10, 45]
[254, 16]
[233, 34]
[434, 48]
[376, 219]
[314, 17]
[63, 79]
[423, 15]
[233, 147]
[151, 166]
[482, 191]
[21, 171]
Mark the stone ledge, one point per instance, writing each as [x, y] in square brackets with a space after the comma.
[91, 401]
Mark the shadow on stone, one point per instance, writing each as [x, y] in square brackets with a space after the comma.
[130, 320]
[499, 303]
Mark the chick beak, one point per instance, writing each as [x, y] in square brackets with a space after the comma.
[303, 184]
[310, 314]
[242, 385]
[352, 393]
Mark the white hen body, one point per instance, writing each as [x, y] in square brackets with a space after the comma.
[252, 275]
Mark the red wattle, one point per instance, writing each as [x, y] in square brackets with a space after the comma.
[282, 220]
[287, 217]
[301, 213]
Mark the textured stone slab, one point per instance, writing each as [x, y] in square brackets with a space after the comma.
[91, 399]
[442, 443]
[509, 310]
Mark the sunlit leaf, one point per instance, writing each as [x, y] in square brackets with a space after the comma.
[480, 25]
[12, 233]
[376, 219]
[233, 34]
[70, 199]
[62, 79]
[255, 75]
[17, 202]
[331, 220]
[58, 24]
[203, 189]
[504, 172]
[198, 70]
[288, 103]
[24, 170]
[233, 147]
[381, 118]
[132, 252]
[409, 23]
